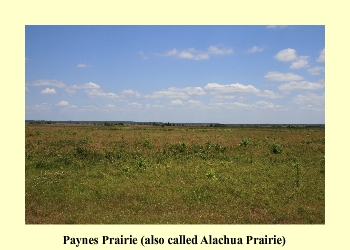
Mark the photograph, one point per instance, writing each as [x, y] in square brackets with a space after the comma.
[174, 125]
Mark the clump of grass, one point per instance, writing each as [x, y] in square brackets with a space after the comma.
[210, 174]
[141, 164]
[298, 173]
[276, 148]
[245, 142]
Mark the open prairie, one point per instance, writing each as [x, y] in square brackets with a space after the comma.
[138, 174]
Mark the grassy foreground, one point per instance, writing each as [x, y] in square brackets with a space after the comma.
[174, 175]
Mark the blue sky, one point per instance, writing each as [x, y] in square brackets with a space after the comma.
[224, 74]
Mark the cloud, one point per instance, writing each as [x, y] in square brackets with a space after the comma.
[48, 91]
[176, 102]
[82, 65]
[157, 106]
[276, 26]
[94, 90]
[143, 55]
[240, 105]
[321, 58]
[219, 50]
[135, 105]
[99, 93]
[88, 108]
[55, 83]
[168, 94]
[27, 90]
[195, 103]
[316, 70]
[282, 77]
[266, 105]
[189, 90]
[193, 54]
[303, 85]
[129, 92]
[300, 62]
[311, 98]
[89, 85]
[312, 108]
[224, 96]
[269, 94]
[218, 89]
[177, 93]
[290, 55]
[254, 49]
[63, 103]
[233, 105]
[70, 91]
[43, 107]
[286, 55]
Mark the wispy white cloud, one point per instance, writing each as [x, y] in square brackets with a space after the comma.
[94, 90]
[48, 91]
[312, 108]
[176, 102]
[301, 85]
[254, 49]
[194, 54]
[43, 107]
[55, 83]
[83, 65]
[269, 94]
[89, 85]
[130, 93]
[321, 58]
[316, 70]
[88, 108]
[219, 89]
[135, 105]
[232, 105]
[143, 55]
[63, 103]
[282, 77]
[70, 91]
[158, 106]
[300, 62]
[222, 96]
[189, 90]
[177, 93]
[276, 26]
[219, 50]
[195, 103]
[101, 94]
[266, 105]
[240, 105]
[311, 98]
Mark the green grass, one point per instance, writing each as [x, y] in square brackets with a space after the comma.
[178, 175]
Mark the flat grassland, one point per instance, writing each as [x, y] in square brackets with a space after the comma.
[133, 174]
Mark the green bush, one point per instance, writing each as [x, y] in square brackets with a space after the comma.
[276, 148]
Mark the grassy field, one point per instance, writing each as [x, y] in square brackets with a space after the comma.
[131, 174]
